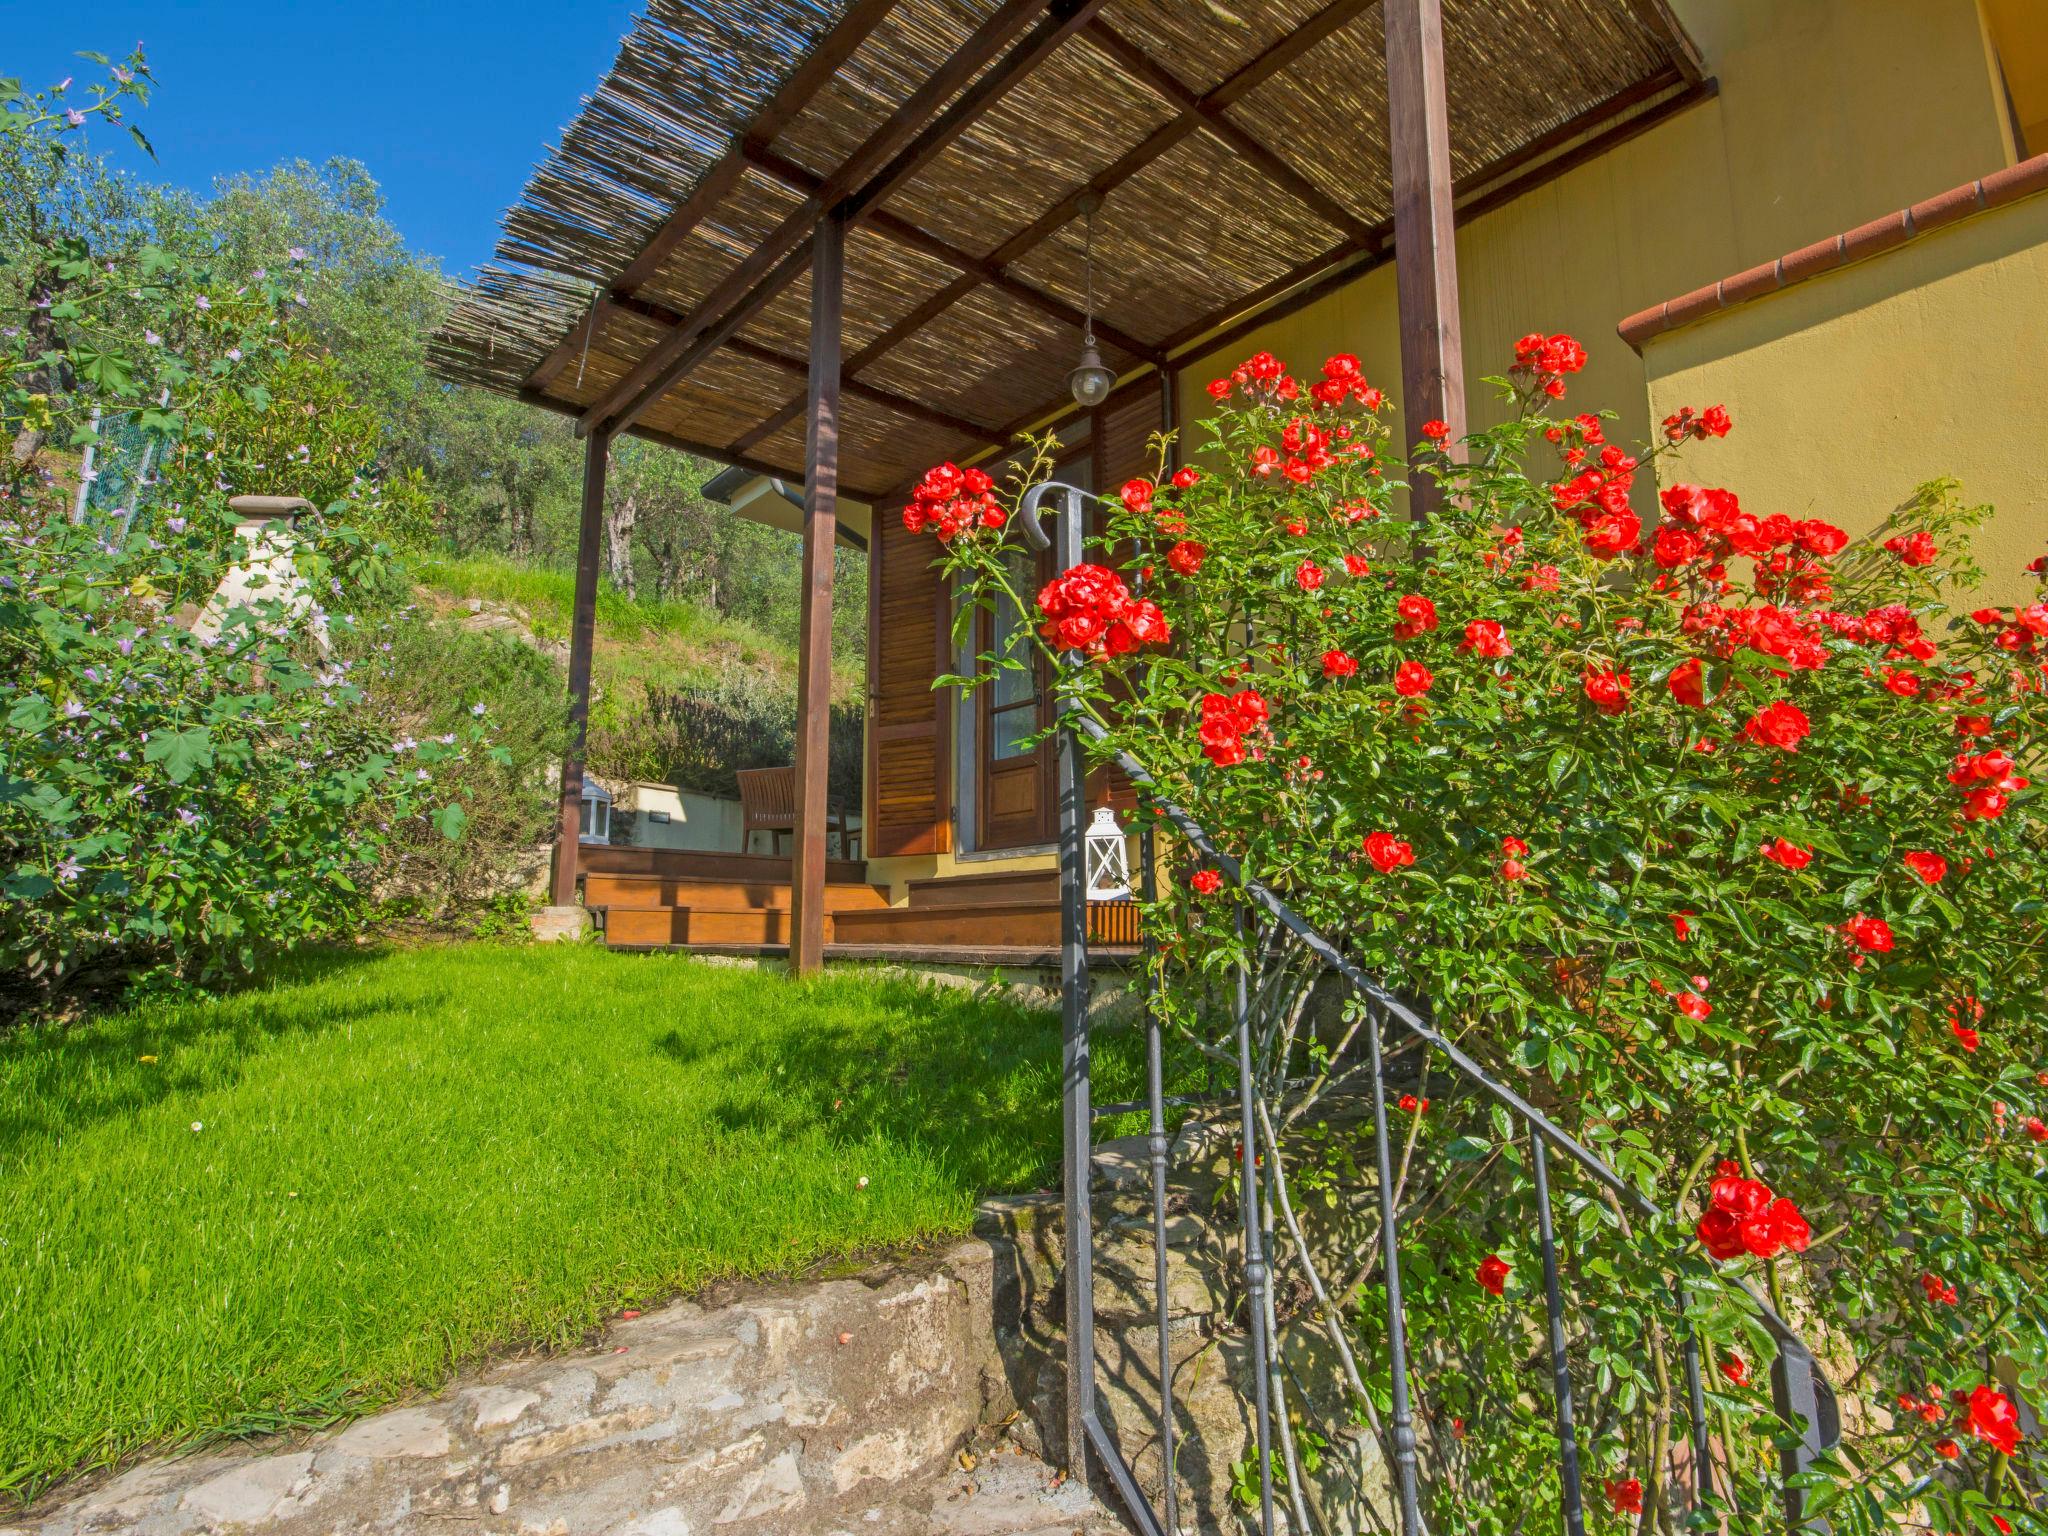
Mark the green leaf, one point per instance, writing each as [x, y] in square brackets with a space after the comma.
[451, 821]
[182, 753]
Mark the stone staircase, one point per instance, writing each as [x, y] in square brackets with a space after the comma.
[923, 1398]
[871, 1404]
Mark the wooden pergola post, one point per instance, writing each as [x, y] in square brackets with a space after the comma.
[582, 635]
[1425, 237]
[814, 625]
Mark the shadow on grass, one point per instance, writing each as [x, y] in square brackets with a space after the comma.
[61, 1079]
[969, 1077]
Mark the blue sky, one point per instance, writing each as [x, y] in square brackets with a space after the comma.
[448, 102]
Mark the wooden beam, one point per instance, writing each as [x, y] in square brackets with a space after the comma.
[1346, 261]
[660, 314]
[1425, 231]
[814, 620]
[804, 82]
[903, 405]
[1656, 18]
[993, 267]
[718, 454]
[1163, 83]
[651, 377]
[582, 637]
[982, 269]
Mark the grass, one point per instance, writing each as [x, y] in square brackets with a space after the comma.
[326, 1192]
[548, 595]
[642, 641]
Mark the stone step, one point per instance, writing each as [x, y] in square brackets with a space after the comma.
[793, 1408]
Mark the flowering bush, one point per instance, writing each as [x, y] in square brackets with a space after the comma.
[169, 803]
[1714, 837]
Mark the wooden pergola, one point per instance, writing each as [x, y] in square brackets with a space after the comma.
[840, 242]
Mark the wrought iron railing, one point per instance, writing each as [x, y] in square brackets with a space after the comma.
[1800, 1393]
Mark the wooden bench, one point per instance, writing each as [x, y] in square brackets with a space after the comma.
[768, 804]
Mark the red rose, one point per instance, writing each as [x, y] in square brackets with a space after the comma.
[1872, 934]
[1186, 478]
[1409, 1104]
[1541, 578]
[1226, 717]
[1613, 534]
[1357, 565]
[1308, 575]
[1994, 1420]
[2036, 1128]
[1913, 549]
[1436, 431]
[1137, 496]
[1186, 557]
[1207, 881]
[1607, 688]
[1819, 538]
[1681, 927]
[1493, 1273]
[1387, 852]
[1947, 1449]
[1417, 614]
[1219, 389]
[1675, 546]
[1693, 1006]
[1412, 678]
[1791, 855]
[1513, 869]
[1337, 663]
[1938, 1290]
[1735, 1368]
[1778, 724]
[1487, 637]
[1930, 867]
[1624, 1494]
[1744, 1217]
[1687, 683]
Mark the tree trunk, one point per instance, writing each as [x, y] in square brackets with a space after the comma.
[618, 542]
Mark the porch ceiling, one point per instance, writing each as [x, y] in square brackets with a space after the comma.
[656, 266]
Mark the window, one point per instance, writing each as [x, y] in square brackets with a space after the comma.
[659, 818]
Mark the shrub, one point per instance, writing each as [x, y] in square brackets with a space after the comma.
[168, 802]
[1714, 838]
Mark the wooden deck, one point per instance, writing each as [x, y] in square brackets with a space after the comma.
[729, 903]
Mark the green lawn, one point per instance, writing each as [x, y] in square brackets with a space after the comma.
[325, 1192]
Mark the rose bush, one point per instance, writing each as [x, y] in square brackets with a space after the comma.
[1713, 836]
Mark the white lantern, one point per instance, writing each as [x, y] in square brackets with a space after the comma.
[1108, 858]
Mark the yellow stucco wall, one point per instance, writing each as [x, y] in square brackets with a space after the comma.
[1853, 388]
[1830, 113]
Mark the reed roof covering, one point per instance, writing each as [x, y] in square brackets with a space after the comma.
[1239, 150]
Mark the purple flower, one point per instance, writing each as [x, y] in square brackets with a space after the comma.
[175, 524]
[187, 817]
[74, 117]
[73, 709]
[203, 302]
[69, 870]
[126, 644]
[151, 337]
[297, 253]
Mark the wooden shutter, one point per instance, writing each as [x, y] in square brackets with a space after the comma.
[1127, 429]
[908, 639]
